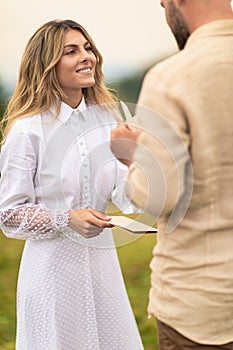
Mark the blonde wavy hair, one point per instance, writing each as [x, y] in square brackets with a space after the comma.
[37, 87]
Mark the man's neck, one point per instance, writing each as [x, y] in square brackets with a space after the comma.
[200, 12]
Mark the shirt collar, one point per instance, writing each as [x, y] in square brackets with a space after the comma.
[220, 27]
[66, 111]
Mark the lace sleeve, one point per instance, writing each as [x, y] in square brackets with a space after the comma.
[33, 222]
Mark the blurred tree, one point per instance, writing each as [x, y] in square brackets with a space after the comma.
[3, 99]
[128, 88]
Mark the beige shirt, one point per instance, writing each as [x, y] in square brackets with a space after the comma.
[192, 266]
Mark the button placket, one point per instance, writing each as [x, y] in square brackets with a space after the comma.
[76, 122]
[85, 171]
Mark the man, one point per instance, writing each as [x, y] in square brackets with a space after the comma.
[192, 268]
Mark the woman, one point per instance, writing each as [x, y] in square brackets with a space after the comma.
[57, 176]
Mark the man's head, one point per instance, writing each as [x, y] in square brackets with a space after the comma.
[176, 22]
[184, 16]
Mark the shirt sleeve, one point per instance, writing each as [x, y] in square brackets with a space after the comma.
[20, 216]
[33, 222]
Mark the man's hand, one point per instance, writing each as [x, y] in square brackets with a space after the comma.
[124, 142]
[88, 222]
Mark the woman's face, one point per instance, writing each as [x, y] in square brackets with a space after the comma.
[76, 68]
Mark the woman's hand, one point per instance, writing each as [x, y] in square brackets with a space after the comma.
[88, 222]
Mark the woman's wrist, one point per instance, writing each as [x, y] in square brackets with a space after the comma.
[61, 219]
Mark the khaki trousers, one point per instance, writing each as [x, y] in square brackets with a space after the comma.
[169, 339]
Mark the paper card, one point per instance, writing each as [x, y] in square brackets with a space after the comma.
[131, 225]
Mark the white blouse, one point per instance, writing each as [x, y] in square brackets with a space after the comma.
[71, 293]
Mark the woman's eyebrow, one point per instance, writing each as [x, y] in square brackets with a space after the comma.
[74, 45]
[70, 45]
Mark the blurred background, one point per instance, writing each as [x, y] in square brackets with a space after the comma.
[132, 36]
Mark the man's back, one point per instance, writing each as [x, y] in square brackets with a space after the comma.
[192, 284]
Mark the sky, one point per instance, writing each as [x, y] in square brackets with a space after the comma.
[130, 34]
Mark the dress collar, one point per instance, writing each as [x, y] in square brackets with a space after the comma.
[66, 111]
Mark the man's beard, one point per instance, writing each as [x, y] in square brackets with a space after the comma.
[178, 25]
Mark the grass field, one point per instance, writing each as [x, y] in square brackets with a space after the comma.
[134, 258]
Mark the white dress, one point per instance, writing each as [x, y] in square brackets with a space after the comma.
[71, 294]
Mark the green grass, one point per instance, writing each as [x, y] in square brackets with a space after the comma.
[10, 253]
[134, 258]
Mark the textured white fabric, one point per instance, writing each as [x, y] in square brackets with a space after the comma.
[33, 221]
[71, 294]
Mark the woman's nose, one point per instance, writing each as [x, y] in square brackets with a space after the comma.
[83, 55]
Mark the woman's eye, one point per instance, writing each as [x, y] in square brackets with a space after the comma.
[89, 48]
[71, 52]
